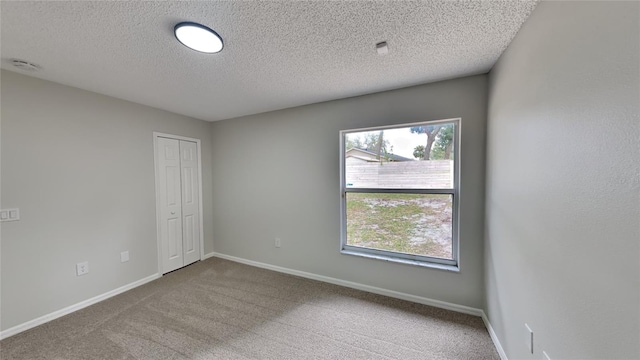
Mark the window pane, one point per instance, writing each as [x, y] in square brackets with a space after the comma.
[397, 159]
[418, 224]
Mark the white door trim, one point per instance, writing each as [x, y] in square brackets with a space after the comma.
[157, 135]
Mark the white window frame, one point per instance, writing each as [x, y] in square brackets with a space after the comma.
[412, 259]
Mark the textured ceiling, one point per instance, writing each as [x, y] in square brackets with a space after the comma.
[276, 54]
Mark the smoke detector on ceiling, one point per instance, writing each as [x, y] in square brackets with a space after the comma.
[25, 65]
[382, 48]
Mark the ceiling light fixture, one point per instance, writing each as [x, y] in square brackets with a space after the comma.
[198, 37]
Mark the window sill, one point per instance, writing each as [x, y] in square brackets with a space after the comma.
[452, 268]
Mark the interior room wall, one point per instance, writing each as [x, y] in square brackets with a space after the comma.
[277, 175]
[563, 195]
[80, 167]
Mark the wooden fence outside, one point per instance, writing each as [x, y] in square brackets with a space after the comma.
[430, 174]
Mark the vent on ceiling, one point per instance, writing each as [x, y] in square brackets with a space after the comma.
[25, 65]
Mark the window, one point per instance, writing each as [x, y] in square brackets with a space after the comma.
[399, 187]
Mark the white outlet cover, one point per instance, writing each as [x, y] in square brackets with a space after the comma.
[124, 256]
[82, 268]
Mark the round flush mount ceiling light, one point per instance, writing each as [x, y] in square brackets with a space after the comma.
[198, 37]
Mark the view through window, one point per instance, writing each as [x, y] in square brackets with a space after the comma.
[399, 187]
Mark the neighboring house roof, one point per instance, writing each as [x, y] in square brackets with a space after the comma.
[366, 154]
[360, 158]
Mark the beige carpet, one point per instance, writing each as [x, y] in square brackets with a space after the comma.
[217, 309]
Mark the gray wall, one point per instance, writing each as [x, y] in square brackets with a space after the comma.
[563, 204]
[80, 167]
[277, 175]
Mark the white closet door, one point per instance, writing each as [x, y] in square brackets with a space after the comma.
[171, 229]
[190, 202]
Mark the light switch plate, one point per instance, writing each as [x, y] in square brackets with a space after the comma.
[124, 256]
[9, 215]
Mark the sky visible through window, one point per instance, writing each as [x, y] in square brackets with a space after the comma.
[402, 140]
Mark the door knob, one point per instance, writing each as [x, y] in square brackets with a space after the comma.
[173, 213]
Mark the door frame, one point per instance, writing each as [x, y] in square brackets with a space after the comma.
[157, 135]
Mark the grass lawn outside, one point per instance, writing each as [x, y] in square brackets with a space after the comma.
[418, 224]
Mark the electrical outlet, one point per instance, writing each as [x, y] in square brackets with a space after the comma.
[82, 268]
[124, 256]
[278, 242]
[529, 338]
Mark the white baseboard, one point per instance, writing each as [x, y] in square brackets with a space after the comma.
[494, 337]
[358, 286]
[209, 255]
[69, 309]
